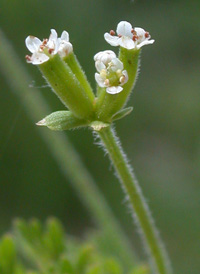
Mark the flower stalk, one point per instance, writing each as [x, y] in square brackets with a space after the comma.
[74, 65]
[66, 86]
[140, 209]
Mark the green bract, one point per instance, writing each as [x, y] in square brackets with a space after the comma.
[62, 120]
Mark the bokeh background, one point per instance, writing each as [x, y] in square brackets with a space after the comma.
[161, 136]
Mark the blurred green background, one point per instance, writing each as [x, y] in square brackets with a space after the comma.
[161, 136]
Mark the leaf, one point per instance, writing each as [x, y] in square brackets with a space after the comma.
[122, 113]
[7, 255]
[54, 238]
[85, 258]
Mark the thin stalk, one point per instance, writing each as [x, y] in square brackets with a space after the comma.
[140, 209]
[75, 66]
[64, 154]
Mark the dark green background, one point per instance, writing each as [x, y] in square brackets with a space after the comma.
[161, 136]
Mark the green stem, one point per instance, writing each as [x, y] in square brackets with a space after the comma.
[139, 206]
[74, 65]
[64, 154]
[65, 85]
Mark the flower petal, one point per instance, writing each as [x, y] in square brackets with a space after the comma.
[114, 90]
[145, 42]
[53, 36]
[33, 43]
[65, 48]
[65, 36]
[112, 40]
[126, 42]
[124, 28]
[140, 32]
[105, 56]
[125, 73]
[53, 42]
[99, 80]
[117, 64]
[99, 66]
[38, 58]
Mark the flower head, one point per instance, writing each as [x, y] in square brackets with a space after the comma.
[111, 74]
[43, 50]
[128, 37]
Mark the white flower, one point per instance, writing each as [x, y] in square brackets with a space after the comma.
[111, 74]
[128, 37]
[43, 50]
[35, 45]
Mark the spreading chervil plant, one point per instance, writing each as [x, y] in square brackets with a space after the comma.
[115, 79]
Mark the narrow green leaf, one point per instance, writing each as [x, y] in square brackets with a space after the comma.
[122, 113]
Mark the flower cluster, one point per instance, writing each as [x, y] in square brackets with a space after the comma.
[111, 74]
[43, 50]
[128, 37]
[110, 70]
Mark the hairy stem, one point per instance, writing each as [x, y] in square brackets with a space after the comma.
[64, 154]
[140, 209]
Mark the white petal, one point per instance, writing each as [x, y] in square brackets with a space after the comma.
[65, 36]
[124, 28]
[53, 36]
[99, 66]
[105, 56]
[125, 73]
[146, 42]
[102, 54]
[33, 43]
[96, 56]
[117, 64]
[140, 32]
[114, 90]
[39, 58]
[65, 48]
[112, 40]
[99, 80]
[53, 42]
[126, 42]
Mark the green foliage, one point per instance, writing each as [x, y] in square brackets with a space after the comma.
[7, 255]
[33, 248]
[122, 113]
